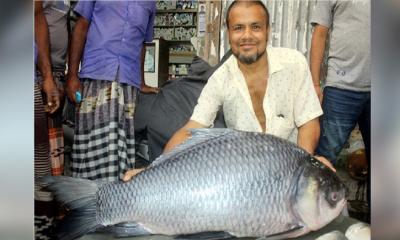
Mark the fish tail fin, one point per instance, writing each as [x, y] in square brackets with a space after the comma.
[79, 197]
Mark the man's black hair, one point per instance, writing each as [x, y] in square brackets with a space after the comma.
[257, 2]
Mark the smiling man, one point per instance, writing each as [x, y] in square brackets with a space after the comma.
[260, 88]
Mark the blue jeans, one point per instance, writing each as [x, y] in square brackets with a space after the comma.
[343, 109]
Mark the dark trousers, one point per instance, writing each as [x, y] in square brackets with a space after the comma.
[343, 109]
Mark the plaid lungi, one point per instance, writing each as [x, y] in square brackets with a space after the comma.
[104, 142]
[42, 156]
[55, 129]
[44, 205]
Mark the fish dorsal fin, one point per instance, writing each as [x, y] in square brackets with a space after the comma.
[204, 134]
[198, 136]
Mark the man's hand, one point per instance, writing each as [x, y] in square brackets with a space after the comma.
[131, 173]
[52, 95]
[72, 85]
[325, 161]
[319, 93]
[148, 89]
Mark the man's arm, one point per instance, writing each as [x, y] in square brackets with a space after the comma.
[181, 135]
[44, 63]
[75, 54]
[208, 104]
[308, 135]
[318, 41]
[308, 138]
[205, 111]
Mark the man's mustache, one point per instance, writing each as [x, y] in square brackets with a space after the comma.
[247, 42]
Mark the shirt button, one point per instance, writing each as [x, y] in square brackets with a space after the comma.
[123, 39]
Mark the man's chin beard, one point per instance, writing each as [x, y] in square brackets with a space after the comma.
[249, 59]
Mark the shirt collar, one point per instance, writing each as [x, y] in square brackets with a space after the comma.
[274, 62]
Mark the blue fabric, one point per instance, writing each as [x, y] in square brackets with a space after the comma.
[115, 38]
[343, 109]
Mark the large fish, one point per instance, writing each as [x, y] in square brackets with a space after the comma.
[221, 181]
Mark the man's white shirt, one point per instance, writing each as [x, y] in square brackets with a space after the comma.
[289, 102]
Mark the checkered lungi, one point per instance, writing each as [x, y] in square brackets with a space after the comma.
[41, 151]
[104, 142]
[55, 129]
[44, 204]
[56, 132]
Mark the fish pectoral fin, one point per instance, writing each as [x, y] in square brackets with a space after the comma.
[128, 229]
[206, 236]
[294, 232]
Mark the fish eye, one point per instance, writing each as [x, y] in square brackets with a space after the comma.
[334, 196]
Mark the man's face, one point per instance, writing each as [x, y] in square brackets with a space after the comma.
[248, 32]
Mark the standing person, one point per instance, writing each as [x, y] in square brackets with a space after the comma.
[346, 98]
[55, 13]
[108, 41]
[260, 88]
[47, 101]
